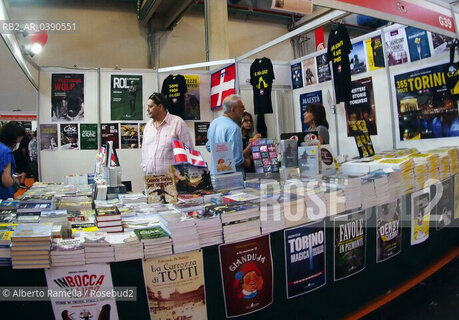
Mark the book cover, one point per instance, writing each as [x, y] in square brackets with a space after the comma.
[48, 137]
[247, 275]
[129, 135]
[420, 216]
[308, 160]
[108, 214]
[289, 152]
[89, 296]
[200, 133]
[152, 233]
[181, 289]
[349, 244]
[304, 258]
[88, 136]
[445, 206]
[189, 178]
[36, 231]
[126, 97]
[222, 158]
[388, 230]
[160, 188]
[67, 97]
[9, 204]
[69, 136]
[323, 69]
[110, 132]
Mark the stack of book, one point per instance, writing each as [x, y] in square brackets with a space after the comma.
[155, 240]
[29, 211]
[351, 186]
[5, 243]
[431, 159]
[140, 221]
[82, 219]
[67, 252]
[127, 198]
[9, 205]
[381, 184]
[37, 198]
[271, 215]
[7, 215]
[30, 246]
[294, 209]
[126, 246]
[316, 207]
[368, 192]
[406, 168]
[229, 181]
[335, 200]
[240, 220]
[109, 219]
[183, 231]
[74, 203]
[421, 175]
[453, 156]
[444, 167]
[97, 249]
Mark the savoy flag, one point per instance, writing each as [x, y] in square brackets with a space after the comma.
[222, 84]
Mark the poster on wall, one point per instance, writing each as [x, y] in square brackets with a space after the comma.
[425, 107]
[323, 69]
[82, 292]
[247, 275]
[222, 84]
[418, 43]
[110, 132]
[357, 58]
[362, 105]
[375, 53]
[350, 243]
[396, 47]
[192, 98]
[67, 97]
[295, 6]
[388, 230]
[456, 196]
[88, 136]
[441, 43]
[445, 205]
[141, 128]
[305, 99]
[126, 97]
[48, 137]
[69, 136]
[420, 216]
[129, 135]
[305, 258]
[200, 133]
[175, 286]
[310, 74]
[297, 75]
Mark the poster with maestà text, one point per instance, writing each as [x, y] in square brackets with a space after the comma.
[82, 292]
[349, 244]
[420, 216]
[247, 275]
[388, 230]
[425, 107]
[305, 100]
[304, 258]
[175, 286]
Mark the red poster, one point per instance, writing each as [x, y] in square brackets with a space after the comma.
[247, 275]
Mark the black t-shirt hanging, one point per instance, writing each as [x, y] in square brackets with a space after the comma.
[339, 47]
[174, 88]
[261, 79]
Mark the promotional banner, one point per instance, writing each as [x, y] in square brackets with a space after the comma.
[441, 43]
[388, 230]
[362, 105]
[323, 69]
[425, 107]
[126, 97]
[67, 97]
[222, 84]
[110, 132]
[192, 100]
[129, 135]
[86, 289]
[445, 205]
[305, 99]
[310, 74]
[48, 137]
[297, 75]
[305, 258]
[418, 43]
[357, 58]
[247, 275]
[420, 216]
[175, 286]
[200, 133]
[69, 136]
[375, 53]
[88, 136]
[350, 244]
[396, 47]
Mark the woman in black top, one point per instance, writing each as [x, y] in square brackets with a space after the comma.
[247, 129]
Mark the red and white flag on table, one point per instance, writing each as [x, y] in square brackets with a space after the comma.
[222, 84]
[183, 154]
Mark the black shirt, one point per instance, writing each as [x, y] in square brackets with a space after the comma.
[174, 88]
[339, 47]
[261, 79]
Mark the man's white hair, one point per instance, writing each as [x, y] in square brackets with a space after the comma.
[229, 102]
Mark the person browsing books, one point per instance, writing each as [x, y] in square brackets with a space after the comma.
[247, 129]
[157, 153]
[11, 135]
[316, 119]
[226, 129]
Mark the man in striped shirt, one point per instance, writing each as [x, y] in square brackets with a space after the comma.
[157, 153]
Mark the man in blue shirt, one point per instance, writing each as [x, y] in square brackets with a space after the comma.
[226, 129]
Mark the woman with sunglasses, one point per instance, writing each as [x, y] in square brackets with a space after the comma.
[247, 129]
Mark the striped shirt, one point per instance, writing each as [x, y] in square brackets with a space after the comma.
[157, 155]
